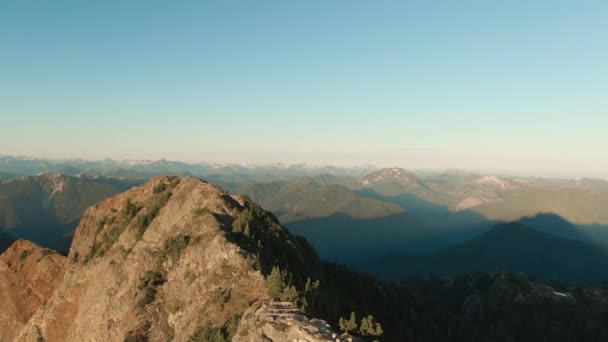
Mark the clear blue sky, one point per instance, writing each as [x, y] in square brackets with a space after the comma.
[506, 85]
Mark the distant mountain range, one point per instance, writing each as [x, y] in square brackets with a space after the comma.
[434, 212]
[350, 215]
[347, 220]
[144, 169]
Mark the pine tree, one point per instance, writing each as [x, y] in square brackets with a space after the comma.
[308, 295]
[275, 282]
[369, 327]
[349, 325]
[342, 323]
[290, 294]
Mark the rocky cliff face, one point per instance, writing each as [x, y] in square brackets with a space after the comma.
[29, 275]
[169, 260]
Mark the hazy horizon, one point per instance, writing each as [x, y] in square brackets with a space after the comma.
[360, 164]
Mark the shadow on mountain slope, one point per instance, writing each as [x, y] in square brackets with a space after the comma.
[457, 225]
[598, 233]
[344, 239]
[552, 223]
[512, 247]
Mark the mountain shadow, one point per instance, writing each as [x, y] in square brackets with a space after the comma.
[344, 239]
[454, 226]
[349, 226]
[511, 247]
[555, 224]
[597, 233]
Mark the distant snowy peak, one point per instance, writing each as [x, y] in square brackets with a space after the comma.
[138, 162]
[494, 181]
[390, 175]
[130, 163]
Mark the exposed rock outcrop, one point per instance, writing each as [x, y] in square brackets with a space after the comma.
[254, 327]
[29, 275]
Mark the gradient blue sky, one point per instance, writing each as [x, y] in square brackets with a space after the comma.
[501, 85]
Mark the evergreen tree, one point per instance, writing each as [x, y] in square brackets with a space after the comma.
[275, 282]
[308, 295]
[369, 327]
[349, 325]
[290, 294]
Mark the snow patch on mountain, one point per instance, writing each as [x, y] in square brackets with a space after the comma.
[53, 184]
[494, 181]
[394, 174]
[136, 162]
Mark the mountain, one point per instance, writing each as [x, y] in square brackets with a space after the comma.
[512, 247]
[306, 198]
[6, 175]
[465, 191]
[468, 204]
[179, 259]
[494, 197]
[396, 181]
[310, 197]
[451, 177]
[341, 224]
[576, 205]
[556, 225]
[46, 208]
[20, 165]
[349, 182]
[12, 166]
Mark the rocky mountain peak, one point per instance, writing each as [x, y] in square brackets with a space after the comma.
[164, 261]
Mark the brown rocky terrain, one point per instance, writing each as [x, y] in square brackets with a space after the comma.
[159, 262]
[29, 275]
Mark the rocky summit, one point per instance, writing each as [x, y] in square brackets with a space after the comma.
[171, 260]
